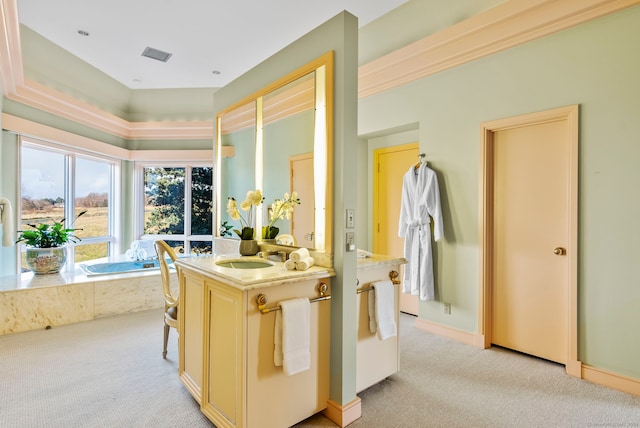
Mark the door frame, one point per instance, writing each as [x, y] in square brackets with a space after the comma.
[488, 129]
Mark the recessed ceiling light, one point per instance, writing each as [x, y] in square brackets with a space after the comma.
[156, 54]
[83, 33]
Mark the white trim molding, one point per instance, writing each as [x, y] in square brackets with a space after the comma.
[43, 132]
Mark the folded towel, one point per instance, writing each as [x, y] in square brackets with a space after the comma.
[299, 254]
[142, 244]
[130, 254]
[292, 336]
[141, 254]
[382, 319]
[304, 264]
[290, 265]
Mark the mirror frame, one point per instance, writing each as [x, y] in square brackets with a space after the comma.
[323, 67]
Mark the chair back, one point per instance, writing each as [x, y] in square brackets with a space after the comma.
[163, 250]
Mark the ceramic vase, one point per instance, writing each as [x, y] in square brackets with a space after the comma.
[44, 261]
[249, 247]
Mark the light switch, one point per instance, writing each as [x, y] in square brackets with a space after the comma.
[350, 241]
[351, 219]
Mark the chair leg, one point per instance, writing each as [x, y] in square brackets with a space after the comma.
[166, 339]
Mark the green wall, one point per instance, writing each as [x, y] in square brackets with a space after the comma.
[340, 35]
[595, 65]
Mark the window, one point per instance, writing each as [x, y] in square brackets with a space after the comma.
[177, 206]
[52, 175]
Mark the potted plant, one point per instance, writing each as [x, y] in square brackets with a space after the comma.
[248, 244]
[46, 245]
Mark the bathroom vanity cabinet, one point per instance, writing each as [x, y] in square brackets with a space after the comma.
[376, 359]
[226, 343]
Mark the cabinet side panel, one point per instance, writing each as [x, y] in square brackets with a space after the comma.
[190, 334]
[225, 379]
[377, 359]
[275, 399]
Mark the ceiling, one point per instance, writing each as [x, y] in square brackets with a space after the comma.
[205, 37]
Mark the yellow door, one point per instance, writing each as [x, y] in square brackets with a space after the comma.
[530, 235]
[303, 217]
[389, 166]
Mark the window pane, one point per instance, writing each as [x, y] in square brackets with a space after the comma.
[178, 246]
[91, 251]
[164, 201]
[41, 188]
[93, 184]
[201, 201]
[201, 247]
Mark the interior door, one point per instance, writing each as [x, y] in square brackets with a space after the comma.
[303, 218]
[530, 236]
[389, 166]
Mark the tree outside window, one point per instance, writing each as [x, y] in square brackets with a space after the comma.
[178, 203]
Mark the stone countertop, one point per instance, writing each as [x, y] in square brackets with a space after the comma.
[249, 279]
[378, 260]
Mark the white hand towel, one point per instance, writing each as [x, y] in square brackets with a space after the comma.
[292, 334]
[290, 265]
[382, 301]
[304, 264]
[299, 254]
[8, 238]
[130, 254]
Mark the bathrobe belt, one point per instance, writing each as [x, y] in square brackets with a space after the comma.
[418, 223]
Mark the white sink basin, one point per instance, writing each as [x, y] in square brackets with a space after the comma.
[244, 264]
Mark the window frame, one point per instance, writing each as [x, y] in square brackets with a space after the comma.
[71, 153]
[139, 195]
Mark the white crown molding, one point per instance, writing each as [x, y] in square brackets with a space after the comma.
[501, 27]
[32, 129]
[506, 25]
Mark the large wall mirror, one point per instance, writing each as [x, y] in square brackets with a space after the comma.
[279, 140]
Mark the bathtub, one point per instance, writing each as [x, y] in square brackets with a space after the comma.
[121, 266]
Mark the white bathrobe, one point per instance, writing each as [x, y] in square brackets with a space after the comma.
[420, 205]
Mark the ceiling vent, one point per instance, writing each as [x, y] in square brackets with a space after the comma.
[156, 54]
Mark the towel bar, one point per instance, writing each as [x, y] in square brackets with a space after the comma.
[393, 276]
[262, 300]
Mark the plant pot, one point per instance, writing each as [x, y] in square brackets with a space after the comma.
[44, 261]
[249, 247]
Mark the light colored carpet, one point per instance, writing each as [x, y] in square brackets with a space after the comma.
[110, 373]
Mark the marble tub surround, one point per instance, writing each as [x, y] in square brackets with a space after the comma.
[30, 302]
[249, 279]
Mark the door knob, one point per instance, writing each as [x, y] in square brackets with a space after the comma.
[559, 251]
